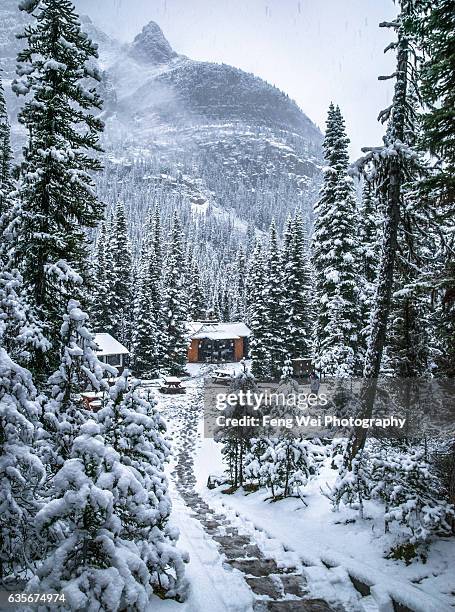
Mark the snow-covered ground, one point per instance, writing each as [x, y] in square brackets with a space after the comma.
[330, 544]
[210, 584]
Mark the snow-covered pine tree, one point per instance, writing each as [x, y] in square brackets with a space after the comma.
[412, 494]
[135, 429]
[101, 302]
[146, 332]
[87, 562]
[250, 240]
[284, 464]
[148, 337]
[196, 298]
[296, 464]
[222, 298]
[393, 164]
[236, 440]
[5, 155]
[369, 232]
[122, 282]
[434, 26]
[369, 241]
[298, 293]
[157, 273]
[256, 461]
[274, 294]
[21, 472]
[444, 319]
[79, 370]
[174, 335]
[239, 298]
[56, 189]
[157, 237]
[402, 479]
[21, 334]
[257, 313]
[287, 238]
[8, 201]
[353, 485]
[406, 353]
[336, 258]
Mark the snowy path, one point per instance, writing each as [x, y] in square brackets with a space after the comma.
[232, 568]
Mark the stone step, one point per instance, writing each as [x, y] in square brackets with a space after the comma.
[251, 552]
[293, 605]
[236, 541]
[211, 527]
[269, 583]
[257, 567]
[294, 584]
[264, 586]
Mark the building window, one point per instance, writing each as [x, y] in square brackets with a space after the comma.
[216, 350]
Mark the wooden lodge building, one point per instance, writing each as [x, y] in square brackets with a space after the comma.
[111, 351]
[215, 342]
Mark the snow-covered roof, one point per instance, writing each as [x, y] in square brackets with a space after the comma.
[194, 327]
[109, 346]
[218, 331]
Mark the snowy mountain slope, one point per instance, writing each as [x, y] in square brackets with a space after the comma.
[246, 148]
[243, 142]
[203, 91]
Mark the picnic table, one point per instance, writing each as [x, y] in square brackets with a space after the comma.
[171, 385]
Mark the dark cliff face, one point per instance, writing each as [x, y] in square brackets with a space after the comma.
[179, 90]
[223, 93]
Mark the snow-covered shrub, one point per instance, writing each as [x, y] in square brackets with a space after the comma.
[337, 451]
[21, 471]
[353, 484]
[20, 332]
[296, 464]
[236, 441]
[282, 464]
[412, 495]
[135, 429]
[88, 562]
[403, 480]
[79, 370]
[256, 461]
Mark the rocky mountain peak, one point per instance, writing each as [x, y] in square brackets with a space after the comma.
[151, 46]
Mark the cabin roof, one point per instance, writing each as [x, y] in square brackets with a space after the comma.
[218, 331]
[108, 345]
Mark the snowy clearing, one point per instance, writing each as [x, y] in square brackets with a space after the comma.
[333, 545]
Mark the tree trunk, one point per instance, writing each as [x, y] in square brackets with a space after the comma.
[452, 482]
[391, 187]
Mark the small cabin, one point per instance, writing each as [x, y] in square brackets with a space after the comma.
[111, 351]
[213, 342]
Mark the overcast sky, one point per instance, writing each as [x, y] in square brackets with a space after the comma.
[314, 50]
